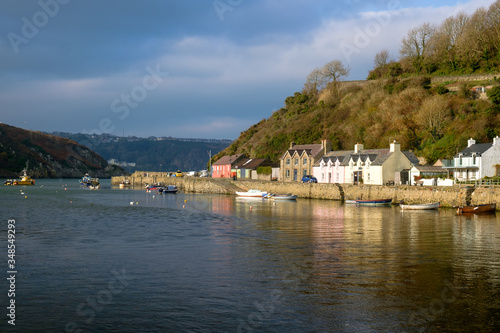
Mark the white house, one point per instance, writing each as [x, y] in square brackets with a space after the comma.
[370, 166]
[477, 161]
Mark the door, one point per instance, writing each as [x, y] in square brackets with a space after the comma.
[295, 174]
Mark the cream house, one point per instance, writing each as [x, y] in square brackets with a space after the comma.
[298, 160]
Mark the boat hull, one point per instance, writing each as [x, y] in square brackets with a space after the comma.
[375, 202]
[428, 206]
[283, 197]
[252, 194]
[477, 209]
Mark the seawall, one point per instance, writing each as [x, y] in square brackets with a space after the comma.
[447, 196]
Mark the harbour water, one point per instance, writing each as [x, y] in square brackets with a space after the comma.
[123, 260]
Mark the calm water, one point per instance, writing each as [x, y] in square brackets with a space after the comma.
[90, 261]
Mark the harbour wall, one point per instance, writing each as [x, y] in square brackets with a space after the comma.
[448, 196]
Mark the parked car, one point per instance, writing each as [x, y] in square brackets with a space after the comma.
[179, 174]
[309, 179]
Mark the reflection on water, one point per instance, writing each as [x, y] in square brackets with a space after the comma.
[213, 263]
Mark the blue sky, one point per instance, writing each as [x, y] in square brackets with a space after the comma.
[190, 68]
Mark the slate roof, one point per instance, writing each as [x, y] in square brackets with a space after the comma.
[233, 159]
[254, 163]
[478, 148]
[376, 156]
[312, 149]
[430, 169]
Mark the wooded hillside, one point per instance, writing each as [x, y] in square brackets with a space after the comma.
[400, 103]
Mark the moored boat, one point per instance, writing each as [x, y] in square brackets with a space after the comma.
[477, 209]
[24, 179]
[86, 180]
[424, 206]
[252, 194]
[95, 184]
[374, 202]
[125, 183]
[169, 189]
[287, 196]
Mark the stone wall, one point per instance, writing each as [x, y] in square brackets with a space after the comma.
[448, 196]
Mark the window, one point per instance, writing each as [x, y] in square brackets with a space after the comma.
[322, 176]
[474, 159]
[338, 177]
[305, 161]
[288, 173]
[287, 161]
[368, 177]
[296, 161]
[305, 172]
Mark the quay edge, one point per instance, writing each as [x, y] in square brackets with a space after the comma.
[448, 196]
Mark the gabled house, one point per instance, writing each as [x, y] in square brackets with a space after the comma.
[247, 168]
[298, 160]
[477, 161]
[369, 166]
[222, 168]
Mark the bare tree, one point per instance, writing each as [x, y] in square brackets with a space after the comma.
[416, 44]
[382, 59]
[474, 42]
[334, 71]
[446, 38]
[433, 115]
[315, 81]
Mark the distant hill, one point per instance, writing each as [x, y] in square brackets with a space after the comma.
[151, 154]
[48, 156]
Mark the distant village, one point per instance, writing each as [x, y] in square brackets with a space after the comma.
[389, 166]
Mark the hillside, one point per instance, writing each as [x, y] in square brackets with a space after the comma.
[152, 154]
[431, 120]
[48, 156]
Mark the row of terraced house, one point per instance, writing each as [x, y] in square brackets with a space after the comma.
[369, 166]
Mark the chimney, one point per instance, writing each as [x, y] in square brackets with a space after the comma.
[471, 142]
[326, 145]
[496, 140]
[358, 147]
[292, 144]
[395, 147]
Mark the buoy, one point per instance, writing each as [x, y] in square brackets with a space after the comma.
[185, 201]
[250, 207]
[25, 196]
[131, 202]
[183, 206]
[137, 203]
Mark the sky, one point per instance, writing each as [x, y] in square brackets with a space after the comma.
[186, 68]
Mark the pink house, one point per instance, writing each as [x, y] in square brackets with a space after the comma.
[222, 168]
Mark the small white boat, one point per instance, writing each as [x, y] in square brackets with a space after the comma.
[252, 194]
[288, 196]
[425, 206]
[350, 202]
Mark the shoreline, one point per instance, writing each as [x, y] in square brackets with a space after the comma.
[448, 196]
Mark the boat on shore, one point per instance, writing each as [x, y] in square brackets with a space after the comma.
[424, 206]
[477, 209]
[95, 184]
[287, 196]
[374, 202]
[252, 194]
